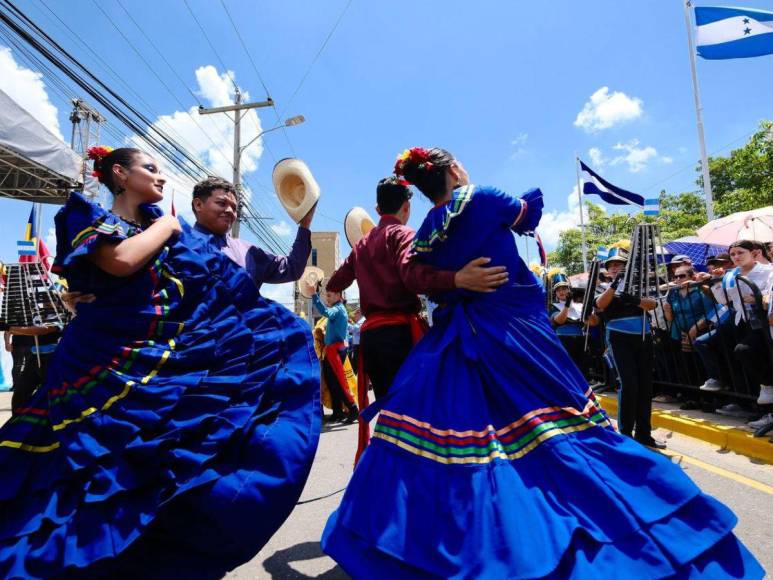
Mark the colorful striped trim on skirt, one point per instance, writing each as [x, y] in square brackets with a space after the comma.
[510, 442]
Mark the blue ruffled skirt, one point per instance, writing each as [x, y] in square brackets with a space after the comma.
[491, 459]
[174, 433]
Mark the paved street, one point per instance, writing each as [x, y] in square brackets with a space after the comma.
[293, 553]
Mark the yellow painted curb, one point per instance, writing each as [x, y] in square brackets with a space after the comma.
[723, 436]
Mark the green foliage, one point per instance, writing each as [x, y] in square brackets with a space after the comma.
[743, 180]
[740, 182]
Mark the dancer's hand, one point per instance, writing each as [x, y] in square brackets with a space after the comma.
[568, 301]
[306, 221]
[479, 279]
[72, 299]
[170, 223]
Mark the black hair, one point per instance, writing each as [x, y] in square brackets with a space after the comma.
[745, 244]
[762, 248]
[391, 193]
[203, 189]
[430, 177]
[103, 167]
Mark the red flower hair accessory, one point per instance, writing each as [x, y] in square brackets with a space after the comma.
[417, 155]
[97, 154]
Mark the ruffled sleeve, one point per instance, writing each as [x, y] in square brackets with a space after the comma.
[522, 214]
[80, 226]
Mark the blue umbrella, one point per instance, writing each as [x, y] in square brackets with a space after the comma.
[694, 248]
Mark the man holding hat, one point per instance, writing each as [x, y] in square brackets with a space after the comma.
[214, 205]
[630, 343]
[389, 282]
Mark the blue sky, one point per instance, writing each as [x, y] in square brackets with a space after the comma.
[498, 83]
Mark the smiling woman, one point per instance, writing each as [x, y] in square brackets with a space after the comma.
[180, 414]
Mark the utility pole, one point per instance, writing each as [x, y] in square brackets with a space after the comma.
[237, 109]
[86, 121]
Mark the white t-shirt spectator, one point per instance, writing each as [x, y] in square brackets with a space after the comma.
[762, 277]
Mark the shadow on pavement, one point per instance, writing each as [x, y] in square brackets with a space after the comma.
[278, 565]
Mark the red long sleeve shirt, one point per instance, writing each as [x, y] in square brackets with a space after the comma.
[387, 278]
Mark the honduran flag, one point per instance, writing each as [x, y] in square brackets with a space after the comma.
[32, 248]
[652, 206]
[594, 184]
[733, 32]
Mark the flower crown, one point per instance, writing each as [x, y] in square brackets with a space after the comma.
[417, 155]
[97, 154]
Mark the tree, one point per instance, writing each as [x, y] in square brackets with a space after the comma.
[744, 180]
[681, 215]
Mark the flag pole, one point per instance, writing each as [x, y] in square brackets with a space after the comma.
[582, 219]
[699, 115]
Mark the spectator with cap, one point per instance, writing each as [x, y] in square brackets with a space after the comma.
[566, 316]
[676, 261]
[630, 343]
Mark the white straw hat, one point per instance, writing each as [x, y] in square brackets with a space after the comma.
[357, 224]
[295, 187]
[307, 284]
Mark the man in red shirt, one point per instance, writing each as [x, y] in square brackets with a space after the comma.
[389, 282]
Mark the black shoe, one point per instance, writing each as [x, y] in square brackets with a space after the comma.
[652, 443]
[335, 418]
[352, 417]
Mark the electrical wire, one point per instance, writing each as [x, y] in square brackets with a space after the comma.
[316, 56]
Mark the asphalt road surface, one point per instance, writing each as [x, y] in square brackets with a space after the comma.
[743, 484]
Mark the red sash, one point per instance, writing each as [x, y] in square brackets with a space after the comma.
[331, 356]
[418, 328]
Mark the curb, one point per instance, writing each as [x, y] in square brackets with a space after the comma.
[732, 438]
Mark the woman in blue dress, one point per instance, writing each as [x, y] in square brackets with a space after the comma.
[491, 457]
[180, 415]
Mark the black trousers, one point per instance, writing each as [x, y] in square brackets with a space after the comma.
[18, 354]
[31, 376]
[754, 356]
[575, 346]
[634, 361]
[383, 351]
[338, 399]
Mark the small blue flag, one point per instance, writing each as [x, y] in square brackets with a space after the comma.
[733, 32]
[602, 253]
[26, 247]
[652, 206]
[594, 184]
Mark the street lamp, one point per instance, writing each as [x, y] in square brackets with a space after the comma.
[291, 122]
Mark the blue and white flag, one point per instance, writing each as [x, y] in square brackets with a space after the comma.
[594, 184]
[26, 247]
[602, 253]
[733, 32]
[652, 206]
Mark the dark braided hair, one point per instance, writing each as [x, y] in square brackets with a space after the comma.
[426, 169]
[104, 159]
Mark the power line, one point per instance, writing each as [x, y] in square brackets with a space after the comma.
[260, 78]
[212, 46]
[316, 57]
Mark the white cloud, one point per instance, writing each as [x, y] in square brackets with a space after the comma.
[207, 137]
[596, 157]
[666, 159]
[605, 110]
[281, 293]
[556, 221]
[50, 240]
[518, 143]
[282, 228]
[635, 157]
[27, 88]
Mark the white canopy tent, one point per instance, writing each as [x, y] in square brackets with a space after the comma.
[35, 165]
